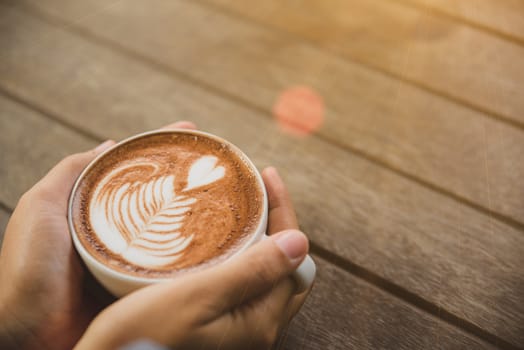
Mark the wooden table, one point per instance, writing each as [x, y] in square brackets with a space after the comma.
[412, 190]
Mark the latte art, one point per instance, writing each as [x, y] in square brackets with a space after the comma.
[163, 204]
[140, 221]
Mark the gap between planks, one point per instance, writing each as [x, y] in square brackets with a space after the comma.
[407, 296]
[345, 264]
[51, 19]
[49, 115]
[5, 207]
[462, 20]
[372, 67]
[392, 289]
[163, 68]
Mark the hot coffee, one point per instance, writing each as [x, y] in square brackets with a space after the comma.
[165, 203]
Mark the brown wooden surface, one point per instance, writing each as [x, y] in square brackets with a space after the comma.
[411, 131]
[387, 35]
[505, 18]
[27, 163]
[356, 322]
[406, 190]
[345, 312]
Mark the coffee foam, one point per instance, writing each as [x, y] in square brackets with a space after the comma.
[162, 204]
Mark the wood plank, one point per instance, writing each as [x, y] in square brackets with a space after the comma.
[24, 157]
[344, 312]
[354, 313]
[451, 255]
[437, 142]
[505, 17]
[444, 55]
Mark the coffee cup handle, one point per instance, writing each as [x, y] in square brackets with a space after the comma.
[304, 275]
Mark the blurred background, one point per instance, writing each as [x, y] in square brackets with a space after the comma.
[397, 125]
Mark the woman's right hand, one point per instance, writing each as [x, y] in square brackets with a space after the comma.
[240, 304]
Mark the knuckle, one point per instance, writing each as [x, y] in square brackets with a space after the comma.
[265, 269]
[272, 264]
[205, 300]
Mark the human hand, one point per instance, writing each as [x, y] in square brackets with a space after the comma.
[240, 304]
[47, 299]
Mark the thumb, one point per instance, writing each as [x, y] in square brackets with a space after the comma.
[256, 271]
[57, 184]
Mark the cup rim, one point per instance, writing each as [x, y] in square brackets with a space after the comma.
[91, 260]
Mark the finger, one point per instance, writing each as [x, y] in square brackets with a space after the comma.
[256, 271]
[253, 325]
[290, 309]
[271, 308]
[180, 125]
[56, 185]
[296, 303]
[281, 213]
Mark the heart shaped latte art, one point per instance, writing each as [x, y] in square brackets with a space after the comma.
[142, 221]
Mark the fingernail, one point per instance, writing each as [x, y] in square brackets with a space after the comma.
[273, 175]
[294, 244]
[188, 124]
[272, 171]
[103, 146]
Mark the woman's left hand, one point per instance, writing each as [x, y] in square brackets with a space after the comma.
[45, 300]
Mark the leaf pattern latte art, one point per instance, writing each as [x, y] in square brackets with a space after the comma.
[142, 221]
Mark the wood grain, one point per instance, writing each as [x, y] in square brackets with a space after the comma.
[503, 17]
[360, 311]
[344, 312]
[430, 139]
[439, 53]
[30, 146]
[451, 255]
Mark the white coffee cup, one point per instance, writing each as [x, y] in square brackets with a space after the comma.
[120, 284]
